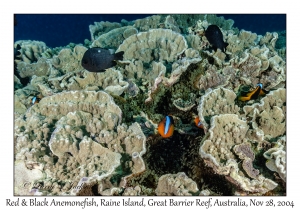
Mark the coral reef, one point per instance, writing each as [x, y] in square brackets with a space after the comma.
[86, 133]
[30, 51]
[175, 184]
[226, 131]
[268, 116]
[113, 38]
[102, 27]
[276, 158]
[69, 60]
[163, 43]
[217, 101]
[96, 133]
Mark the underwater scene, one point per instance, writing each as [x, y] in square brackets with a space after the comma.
[161, 105]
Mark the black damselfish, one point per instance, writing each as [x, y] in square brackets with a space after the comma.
[215, 37]
[99, 59]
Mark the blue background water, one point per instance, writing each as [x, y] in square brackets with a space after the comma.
[59, 30]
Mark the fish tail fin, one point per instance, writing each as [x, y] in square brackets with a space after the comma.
[262, 92]
[119, 55]
[113, 63]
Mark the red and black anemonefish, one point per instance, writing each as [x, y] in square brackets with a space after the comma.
[253, 94]
[198, 123]
[166, 127]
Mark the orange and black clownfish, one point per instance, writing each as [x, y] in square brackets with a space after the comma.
[198, 123]
[253, 94]
[166, 127]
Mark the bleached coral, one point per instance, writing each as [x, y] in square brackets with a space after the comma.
[69, 60]
[130, 191]
[226, 131]
[276, 158]
[245, 153]
[214, 102]
[111, 39]
[147, 23]
[196, 42]
[277, 76]
[102, 27]
[181, 65]
[111, 81]
[89, 101]
[129, 31]
[269, 40]
[163, 43]
[175, 184]
[88, 132]
[170, 23]
[30, 51]
[95, 160]
[263, 54]
[213, 78]
[238, 43]
[268, 116]
[249, 68]
[178, 68]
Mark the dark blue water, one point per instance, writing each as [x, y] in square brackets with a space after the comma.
[258, 23]
[59, 30]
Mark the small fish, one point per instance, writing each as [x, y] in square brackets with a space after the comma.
[215, 37]
[35, 100]
[258, 91]
[166, 127]
[198, 123]
[99, 59]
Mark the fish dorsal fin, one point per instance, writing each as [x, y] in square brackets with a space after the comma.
[111, 51]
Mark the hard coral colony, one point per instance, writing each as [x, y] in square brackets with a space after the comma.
[101, 133]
